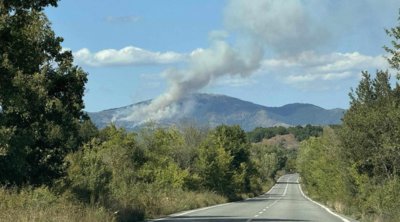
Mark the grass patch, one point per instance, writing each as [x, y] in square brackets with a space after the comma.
[153, 202]
[42, 205]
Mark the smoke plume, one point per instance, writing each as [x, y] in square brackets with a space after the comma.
[255, 26]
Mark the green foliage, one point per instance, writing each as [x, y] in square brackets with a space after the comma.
[89, 175]
[370, 139]
[224, 163]
[41, 204]
[40, 96]
[260, 133]
[233, 139]
[269, 160]
[13, 5]
[105, 165]
[360, 167]
[151, 172]
[301, 133]
[128, 172]
[357, 171]
[371, 128]
[394, 51]
[322, 167]
[214, 168]
[265, 160]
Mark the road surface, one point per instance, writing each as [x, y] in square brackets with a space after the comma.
[284, 202]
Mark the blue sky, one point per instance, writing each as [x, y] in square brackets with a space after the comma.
[263, 51]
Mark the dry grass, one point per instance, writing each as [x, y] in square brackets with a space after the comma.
[42, 205]
[155, 203]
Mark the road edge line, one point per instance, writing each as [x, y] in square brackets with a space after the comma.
[323, 206]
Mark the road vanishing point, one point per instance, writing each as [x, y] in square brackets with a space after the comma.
[285, 201]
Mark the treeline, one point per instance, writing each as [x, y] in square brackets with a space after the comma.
[129, 176]
[159, 171]
[355, 168]
[301, 133]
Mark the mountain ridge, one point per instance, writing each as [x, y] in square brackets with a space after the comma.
[216, 109]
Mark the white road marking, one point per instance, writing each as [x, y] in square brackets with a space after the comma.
[284, 193]
[225, 204]
[324, 207]
[269, 191]
[276, 201]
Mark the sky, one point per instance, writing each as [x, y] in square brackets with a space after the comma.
[269, 52]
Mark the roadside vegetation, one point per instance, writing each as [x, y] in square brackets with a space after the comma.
[127, 176]
[355, 168]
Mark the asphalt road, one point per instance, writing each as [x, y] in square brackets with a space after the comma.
[284, 202]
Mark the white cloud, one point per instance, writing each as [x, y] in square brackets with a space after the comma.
[129, 55]
[310, 70]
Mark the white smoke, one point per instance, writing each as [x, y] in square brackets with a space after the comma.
[256, 25]
[283, 26]
[205, 65]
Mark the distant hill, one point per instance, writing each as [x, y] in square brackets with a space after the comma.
[213, 110]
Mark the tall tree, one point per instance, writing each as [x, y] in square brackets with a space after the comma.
[224, 161]
[40, 95]
[394, 51]
[371, 127]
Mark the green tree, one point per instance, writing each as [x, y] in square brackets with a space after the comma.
[361, 166]
[322, 167]
[370, 139]
[394, 51]
[371, 127]
[108, 164]
[40, 95]
[224, 162]
[214, 168]
[265, 159]
[234, 141]
[164, 160]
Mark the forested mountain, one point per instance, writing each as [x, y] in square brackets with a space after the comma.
[213, 110]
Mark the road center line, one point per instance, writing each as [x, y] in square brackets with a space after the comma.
[284, 193]
[220, 205]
